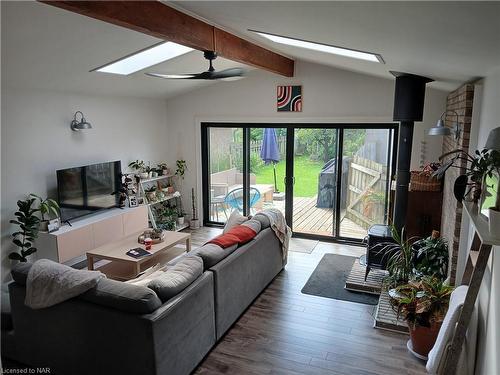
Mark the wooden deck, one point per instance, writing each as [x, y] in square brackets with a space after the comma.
[307, 218]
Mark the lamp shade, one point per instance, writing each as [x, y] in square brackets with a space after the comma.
[493, 141]
[439, 129]
[80, 125]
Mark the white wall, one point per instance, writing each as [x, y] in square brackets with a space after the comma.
[37, 140]
[488, 344]
[329, 95]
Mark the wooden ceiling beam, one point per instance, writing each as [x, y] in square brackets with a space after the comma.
[161, 21]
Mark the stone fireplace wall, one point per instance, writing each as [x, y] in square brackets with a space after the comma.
[461, 101]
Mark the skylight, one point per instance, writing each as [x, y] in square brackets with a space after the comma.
[347, 52]
[145, 58]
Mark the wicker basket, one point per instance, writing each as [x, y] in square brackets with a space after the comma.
[423, 181]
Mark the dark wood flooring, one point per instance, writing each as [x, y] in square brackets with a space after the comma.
[287, 332]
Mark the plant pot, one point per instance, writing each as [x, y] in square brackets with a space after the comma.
[144, 175]
[151, 197]
[494, 222]
[44, 226]
[194, 223]
[154, 174]
[423, 338]
[180, 220]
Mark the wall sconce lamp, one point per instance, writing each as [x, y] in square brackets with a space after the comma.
[80, 125]
[441, 129]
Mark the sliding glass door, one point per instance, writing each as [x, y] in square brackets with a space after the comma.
[330, 180]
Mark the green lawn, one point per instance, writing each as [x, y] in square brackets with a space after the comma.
[306, 176]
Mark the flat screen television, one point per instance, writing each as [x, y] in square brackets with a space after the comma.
[88, 189]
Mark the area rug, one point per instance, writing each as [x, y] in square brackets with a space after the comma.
[302, 245]
[329, 278]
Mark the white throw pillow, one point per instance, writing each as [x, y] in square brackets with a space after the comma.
[147, 276]
[234, 219]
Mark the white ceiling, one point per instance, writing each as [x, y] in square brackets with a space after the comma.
[49, 48]
[452, 42]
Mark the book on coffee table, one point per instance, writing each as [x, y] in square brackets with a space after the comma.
[138, 253]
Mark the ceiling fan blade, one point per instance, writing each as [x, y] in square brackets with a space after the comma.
[229, 73]
[173, 76]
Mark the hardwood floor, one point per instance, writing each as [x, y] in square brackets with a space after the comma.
[287, 332]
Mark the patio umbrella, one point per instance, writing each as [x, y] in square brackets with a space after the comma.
[270, 152]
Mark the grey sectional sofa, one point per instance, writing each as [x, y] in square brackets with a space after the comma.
[118, 328]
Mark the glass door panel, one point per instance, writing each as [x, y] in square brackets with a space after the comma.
[225, 174]
[315, 180]
[267, 165]
[364, 185]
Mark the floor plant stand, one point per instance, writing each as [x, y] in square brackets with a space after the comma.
[474, 270]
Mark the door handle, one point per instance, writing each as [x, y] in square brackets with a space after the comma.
[285, 180]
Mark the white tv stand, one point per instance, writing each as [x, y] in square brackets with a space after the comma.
[69, 244]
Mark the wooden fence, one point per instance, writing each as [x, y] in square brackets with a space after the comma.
[366, 192]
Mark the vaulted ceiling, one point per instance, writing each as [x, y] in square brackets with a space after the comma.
[452, 42]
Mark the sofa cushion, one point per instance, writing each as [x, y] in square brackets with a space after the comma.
[263, 219]
[253, 224]
[234, 219]
[213, 254]
[123, 296]
[177, 278]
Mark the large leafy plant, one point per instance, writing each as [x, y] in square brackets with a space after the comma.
[423, 302]
[28, 229]
[431, 257]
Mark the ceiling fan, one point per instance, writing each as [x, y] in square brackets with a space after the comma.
[210, 74]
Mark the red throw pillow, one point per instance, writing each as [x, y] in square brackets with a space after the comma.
[239, 234]
[243, 233]
[225, 240]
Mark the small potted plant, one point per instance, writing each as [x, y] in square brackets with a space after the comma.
[162, 169]
[140, 168]
[423, 305]
[27, 233]
[151, 193]
[48, 208]
[180, 211]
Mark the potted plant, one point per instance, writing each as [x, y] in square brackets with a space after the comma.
[162, 169]
[430, 257]
[140, 168]
[423, 305]
[167, 218]
[180, 211]
[399, 256]
[151, 193]
[28, 229]
[47, 207]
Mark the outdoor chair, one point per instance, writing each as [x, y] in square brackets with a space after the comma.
[234, 198]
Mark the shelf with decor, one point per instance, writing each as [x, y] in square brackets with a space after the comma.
[158, 191]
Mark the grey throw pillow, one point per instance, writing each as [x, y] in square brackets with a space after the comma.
[253, 224]
[213, 254]
[263, 219]
[234, 219]
[177, 278]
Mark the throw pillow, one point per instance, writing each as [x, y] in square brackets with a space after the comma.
[177, 278]
[234, 219]
[253, 224]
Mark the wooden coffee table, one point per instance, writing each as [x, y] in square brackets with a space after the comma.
[125, 267]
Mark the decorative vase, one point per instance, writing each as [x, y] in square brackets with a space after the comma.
[494, 222]
[423, 338]
[44, 226]
[180, 220]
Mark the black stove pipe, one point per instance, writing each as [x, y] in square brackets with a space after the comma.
[409, 98]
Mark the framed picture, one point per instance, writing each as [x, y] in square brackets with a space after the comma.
[289, 98]
[140, 201]
[132, 201]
